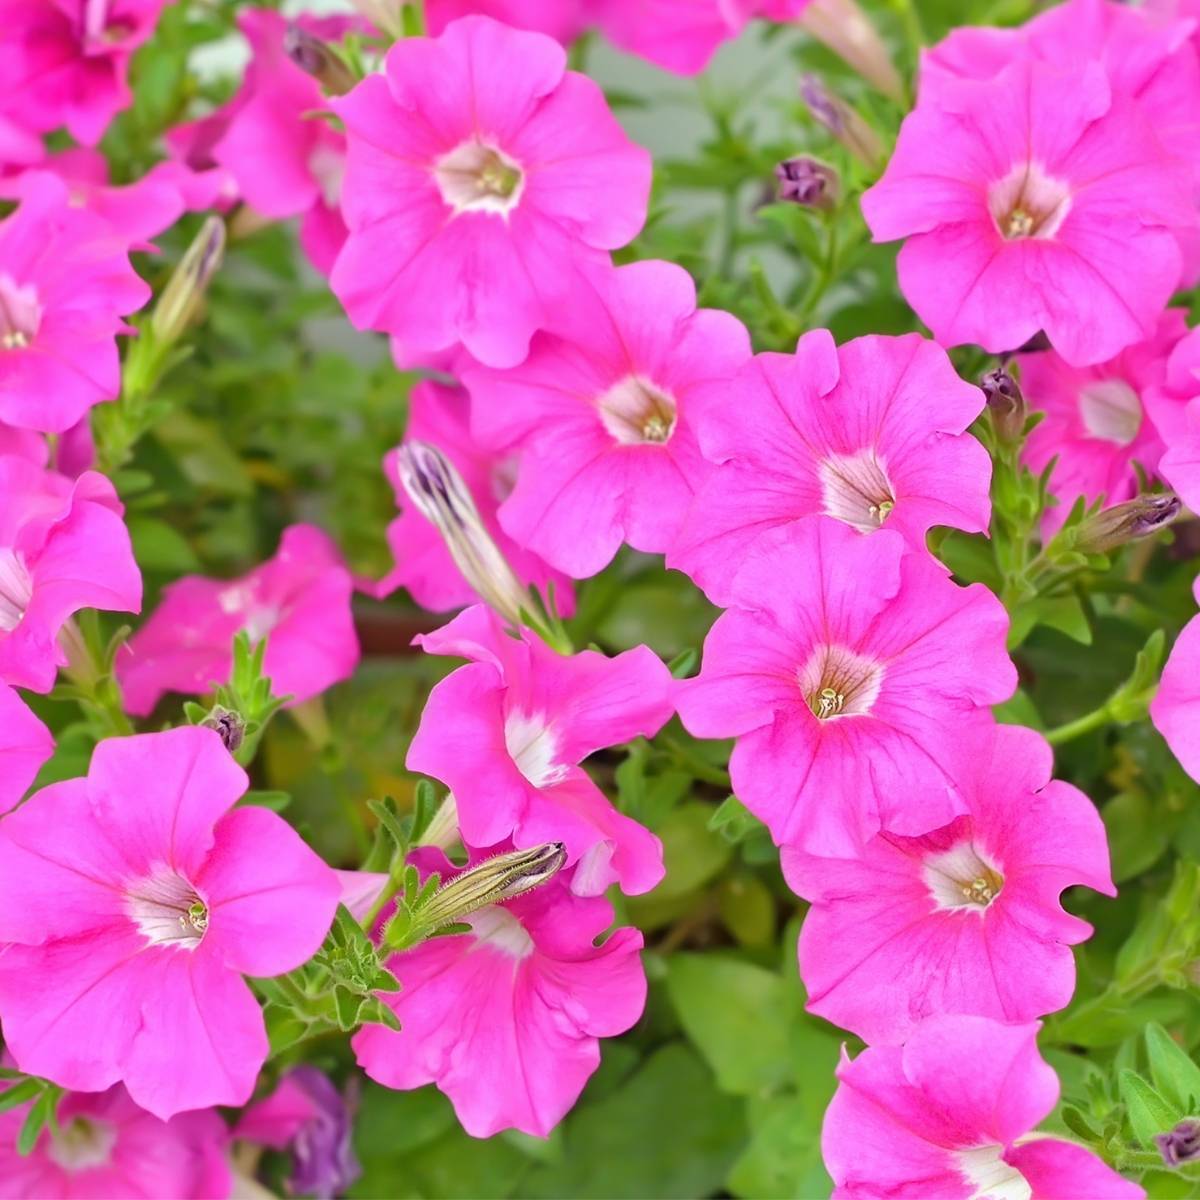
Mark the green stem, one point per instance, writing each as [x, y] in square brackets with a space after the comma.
[1096, 719]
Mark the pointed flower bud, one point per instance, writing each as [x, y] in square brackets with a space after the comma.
[441, 496]
[230, 727]
[841, 120]
[808, 181]
[1181, 1145]
[319, 60]
[1138, 518]
[844, 28]
[182, 297]
[1006, 405]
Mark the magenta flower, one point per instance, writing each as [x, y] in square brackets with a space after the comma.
[562, 20]
[480, 173]
[441, 416]
[506, 734]
[950, 1114]
[63, 547]
[1174, 407]
[25, 744]
[105, 1146]
[850, 673]
[299, 600]
[1038, 200]
[1175, 709]
[872, 434]
[134, 901]
[1096, 424]
[965, 919]
[65, 62]
[604, 412]
[65, 284]
[506, 1019]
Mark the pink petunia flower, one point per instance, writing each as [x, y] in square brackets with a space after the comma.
[25, 744]
[851, 673]
[1095, 422]
[872, 434]
[506, 1019]
[134, 901]
[299, 600]
[1174, 407]
[66, 62]
[951, 1114]
[105, 1146]
[965, 919]
[481, 172]
[1175, 709]
[63, 547]
[441, 416]
[65, 284]
[506, 734]
[1039, 200]
[603, 413]
[562, 20]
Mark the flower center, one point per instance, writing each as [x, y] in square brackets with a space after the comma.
[20, 314]
[498, 928]
[532, 746]
[16, 589]
[636, 412]
[167, 909]
[961, 878]
[477, 178]
[990, 1177]
[855, 489]
[836, 682]
[83, 1143]
[1111, 411]
[1028, 203]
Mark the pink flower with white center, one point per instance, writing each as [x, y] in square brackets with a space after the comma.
[134, 901]
[105, 1146]
[872, 434]
[66, 62]
[65, 284]
[562, 20]
[951, 1114]
[851, 673]
[441, 416]
[1175, 709]
[1096, 424]
[964, 919]
[299, 600]
[1174, 407]
[481, 173]
[506, 1019]
[506, 734]
[603, 414]
[284, 161]
[1039, 200]
[25, 744]
[63, 547]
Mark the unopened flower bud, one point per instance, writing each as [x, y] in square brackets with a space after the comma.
[319, 60]
[230, 727]
[1138, 518]
[386, 15]
[184, 294]
[841, 120]
[1181, 1145]
[441, 496]
[808, 181]
[844, 28]
[502, 877]
[1005, 404]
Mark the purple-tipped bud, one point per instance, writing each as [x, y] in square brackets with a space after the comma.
[841, 120]
[1005, 404]
[844, 28]
[808, 181]
[230, 727]
[319, 60]
[181, 300]
[1141, 517]
[1181, 1145]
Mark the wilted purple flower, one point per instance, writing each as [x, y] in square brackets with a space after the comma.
[808, 181]
[1005, 403]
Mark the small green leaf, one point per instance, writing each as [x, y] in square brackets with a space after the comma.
[19, 1093]
[1148, 1112]
[1172, 1069]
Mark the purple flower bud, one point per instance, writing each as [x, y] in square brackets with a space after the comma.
[808, 181]
[1005, 404]
[1138, 518]
[841, 120]
[324, 1163]
[1181, 1145]
[319, 60]
[230, 727]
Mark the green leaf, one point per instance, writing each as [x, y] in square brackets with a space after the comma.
[784, 1155]
[19, 1093]
[40, 1112]
[157, 546]
[1174, 1073]
[692, 853]
[1149, 1113]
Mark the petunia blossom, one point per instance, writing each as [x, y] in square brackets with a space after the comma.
[506, 1019]
[134, 901]
[1095, 424]
[25, 744]
[481, 173]
[66, 62]
[1038, 200]
[1175, 709]
[65, 284]
[951, 1114]
[851, 673]
[1174, 407]
[440, 416]
[563, 20]
[103, 1145]
[964, 919]
[603, 413]
[871, 433]
[299, 600]
[63, 547]
[507, 731]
